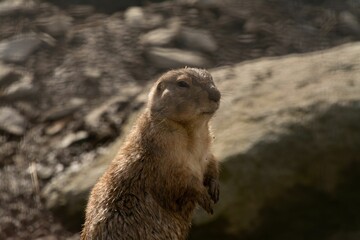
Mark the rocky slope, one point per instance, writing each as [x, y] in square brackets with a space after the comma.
[288, 137]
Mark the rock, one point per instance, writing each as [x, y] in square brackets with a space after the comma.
[11, 121]
[56, 25]
[55, 127]
[11, 8]
[44, 172]
[59, 193]
[174, 58]
[19, 48]
[92, 73]
[349, 24]
[48, 39]
[96, 46]
[97, 121]
[63, 200]
[162, 36]
[7, 150]
[71, 138]
[155, 20]
[8, 76]
[106, 119]
[21, 90]
[199, 40]
[135, 17]
[56, 113]
[288, 136]
[159, 37]
[81, 11]
[277, 135]
[15, 83]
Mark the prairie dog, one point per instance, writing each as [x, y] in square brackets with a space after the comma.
[164, 168]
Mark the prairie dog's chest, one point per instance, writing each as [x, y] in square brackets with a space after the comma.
[197, 163]
[194, 156]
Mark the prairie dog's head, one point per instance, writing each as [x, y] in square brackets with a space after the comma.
[184, 95]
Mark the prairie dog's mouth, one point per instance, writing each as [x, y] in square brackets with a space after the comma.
[208, 113]
[211, 109]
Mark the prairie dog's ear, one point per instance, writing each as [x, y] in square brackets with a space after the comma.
[160, 86]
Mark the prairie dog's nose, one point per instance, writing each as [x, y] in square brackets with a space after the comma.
[214, 94]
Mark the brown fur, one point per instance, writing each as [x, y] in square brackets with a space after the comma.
[165, 167]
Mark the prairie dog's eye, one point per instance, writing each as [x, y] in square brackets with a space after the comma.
[183, 84]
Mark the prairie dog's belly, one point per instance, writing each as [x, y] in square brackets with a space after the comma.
[196, 164]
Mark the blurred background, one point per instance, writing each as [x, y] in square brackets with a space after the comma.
[74, 74]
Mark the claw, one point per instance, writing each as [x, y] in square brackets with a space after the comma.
[213, 190]
[206, 203]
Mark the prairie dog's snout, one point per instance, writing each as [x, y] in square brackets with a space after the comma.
[214, 93]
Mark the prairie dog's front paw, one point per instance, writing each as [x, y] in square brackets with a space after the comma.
[214, 189]
[206, 203]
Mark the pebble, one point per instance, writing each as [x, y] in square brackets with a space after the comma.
[159, 37]
[55, 128]
[92, 73]
[174, 58]
[11, 121]
[44, 172]
[99, 119]
[198, 39]
[10, 8]
[20, 91]
[71, 138]
[18, 49]
[63, 111]
[17, 86]
[8, 76]
[162, 36]
[56, 26]
[135, 17]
